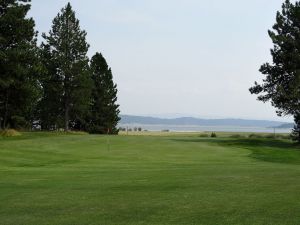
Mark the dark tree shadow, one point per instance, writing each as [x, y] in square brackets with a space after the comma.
[245, 142]
[264, 149]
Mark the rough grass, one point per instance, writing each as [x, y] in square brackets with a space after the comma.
[66, 179]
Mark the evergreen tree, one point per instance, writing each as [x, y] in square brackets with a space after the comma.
[68, 71]
[296, 131]
[50, 107]
[19, 87]
[104, 111]
[281, 85]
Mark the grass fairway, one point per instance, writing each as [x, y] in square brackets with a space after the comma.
[147, 180]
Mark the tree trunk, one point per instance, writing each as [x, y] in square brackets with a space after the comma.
[67, 116]
[5, 112]
[67, 96]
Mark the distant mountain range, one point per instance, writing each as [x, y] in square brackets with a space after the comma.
[191, 121]
[286, 126]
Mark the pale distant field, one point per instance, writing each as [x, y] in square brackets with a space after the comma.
[199, 134]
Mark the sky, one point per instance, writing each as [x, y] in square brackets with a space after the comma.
[175, 58]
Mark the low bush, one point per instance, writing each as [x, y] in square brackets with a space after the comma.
[204, 135]
[283, 136]
[237, 136]
[122, 129]
[213, 135]
[10, 133]
[255, 136]
[269, 136]
[77, 132]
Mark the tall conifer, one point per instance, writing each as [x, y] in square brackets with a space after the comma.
[104, 108]
[19, 87]
[281, 85]
[67, 47]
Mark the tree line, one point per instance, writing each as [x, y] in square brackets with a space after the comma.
[53, 85]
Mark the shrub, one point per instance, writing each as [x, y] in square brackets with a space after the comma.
[237, 136]
[19, 123]
[204, 135]
[213, 135]
[295, 135]
[255, 136]
[10, 133]
[122, 129]
[77, 132]
[270, 136]
[95, 129]
[283, 136]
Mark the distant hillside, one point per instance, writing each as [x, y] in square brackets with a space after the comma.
[285, 126]
[128, 119]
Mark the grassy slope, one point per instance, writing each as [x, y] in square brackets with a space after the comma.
[71, 179]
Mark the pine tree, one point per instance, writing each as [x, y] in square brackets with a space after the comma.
[67, 49]
[104, 109]
[50, 107]
[19, 87]
[281, 85]
[296, 131]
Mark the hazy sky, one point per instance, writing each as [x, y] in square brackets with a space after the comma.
[178, 57]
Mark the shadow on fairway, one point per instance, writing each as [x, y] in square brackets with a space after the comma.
[245, 142]
[271, 150]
